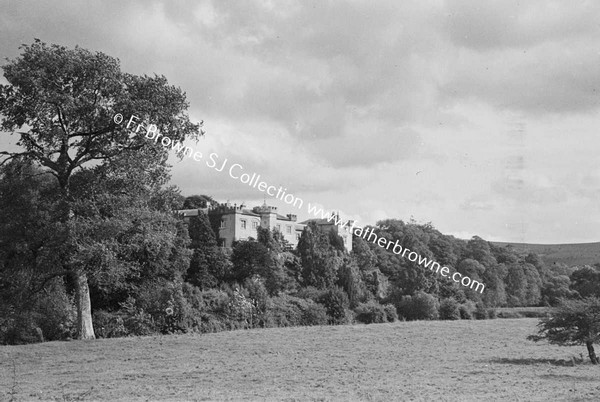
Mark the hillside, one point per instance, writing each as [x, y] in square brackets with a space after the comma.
[569, 254]
[426, 360]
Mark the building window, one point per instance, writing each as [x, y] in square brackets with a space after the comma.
[254, 225]
[288, 229]
[243, 224]
[279, 227]
[223, 223]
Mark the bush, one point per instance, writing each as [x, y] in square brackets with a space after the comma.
[519, 312]
[287, 311]
[336, 302]
[214, 301]
[509, 314]
[136, 321]
[313, 313]
[466, 310]
[371, 312]
[482, 313]
[391, 314]
[18, 329]
[57, 313]
[421, 306]
[38, 317]
[212, 323]
[449, 309]
[282, 313]
[108, 324]
[310, 292]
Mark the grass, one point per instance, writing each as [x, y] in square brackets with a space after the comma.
[521, 312]
[436, 360]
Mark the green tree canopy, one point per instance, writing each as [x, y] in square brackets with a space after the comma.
[63, 102]
[573, 322]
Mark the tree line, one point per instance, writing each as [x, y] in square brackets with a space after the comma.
[91, 244]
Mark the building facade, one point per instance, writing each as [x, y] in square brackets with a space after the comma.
[240, 223]
[237, 222]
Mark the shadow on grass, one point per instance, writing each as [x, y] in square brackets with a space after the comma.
[532, 362]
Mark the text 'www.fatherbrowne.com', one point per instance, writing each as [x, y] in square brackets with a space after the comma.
[236, 172]
[369, 234]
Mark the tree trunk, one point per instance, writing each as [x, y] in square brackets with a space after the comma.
[85, 328]
[592, 353]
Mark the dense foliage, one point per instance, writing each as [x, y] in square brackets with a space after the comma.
[88, 227]
[573, 322]
[178, 280]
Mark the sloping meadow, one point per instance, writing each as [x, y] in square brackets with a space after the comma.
[420, 360]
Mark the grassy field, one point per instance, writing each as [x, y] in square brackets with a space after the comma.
[521, 312]
[569, 254]
[460, 360]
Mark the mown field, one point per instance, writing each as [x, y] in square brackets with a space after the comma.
[460, 360]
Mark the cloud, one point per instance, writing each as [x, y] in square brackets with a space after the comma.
[512, 23]
[538, 57]
[494, 104]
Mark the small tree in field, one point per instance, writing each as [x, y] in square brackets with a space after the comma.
[574, 322]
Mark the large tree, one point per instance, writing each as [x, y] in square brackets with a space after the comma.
[63, 102]
[30, 245]
[320, 260]
[209, 265]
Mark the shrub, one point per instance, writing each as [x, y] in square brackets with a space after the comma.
[519, 312]
[509, 314]
[421, 306]
[286, 311]
[467, 309]
[391, 314]
[38, 317]
[57, 313]
[212, 323]
[281, 312]
[18, 329]
[336, 302]
[214, 301]
[369, 313]
[310, 292]
[136, 321]
[349, 317]
[449, 309]
[313, 313]
[480, 311]
[108, 324]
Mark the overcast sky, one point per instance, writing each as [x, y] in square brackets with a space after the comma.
[481, 117]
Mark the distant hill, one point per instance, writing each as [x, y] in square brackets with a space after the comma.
[569, 254]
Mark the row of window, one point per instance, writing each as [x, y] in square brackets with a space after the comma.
[223, 242]
[254, 224]
[244, 224]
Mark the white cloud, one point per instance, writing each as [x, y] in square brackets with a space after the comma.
[479, 116]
